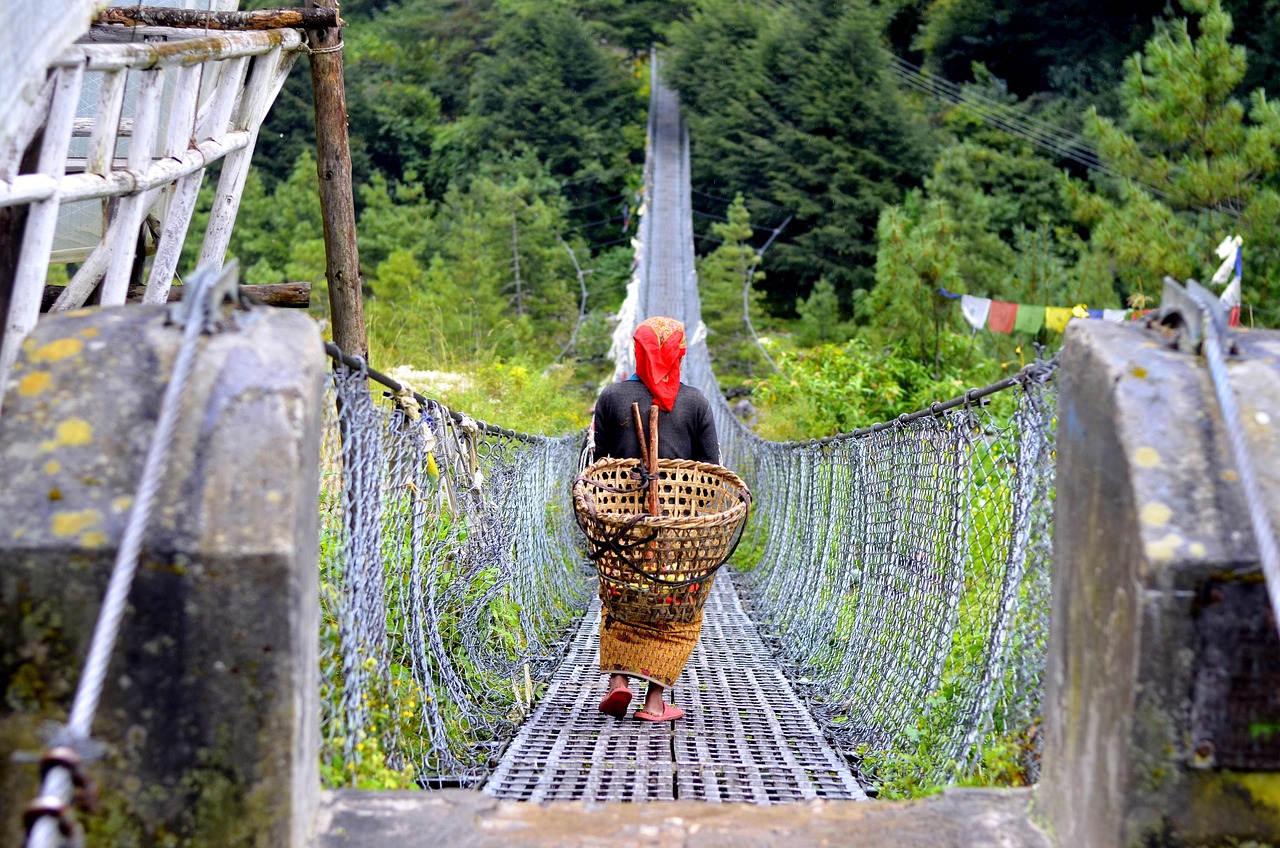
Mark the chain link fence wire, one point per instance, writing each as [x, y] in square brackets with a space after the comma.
[902, 573]
[449, 572]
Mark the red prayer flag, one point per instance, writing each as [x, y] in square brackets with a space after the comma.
[1001, 317]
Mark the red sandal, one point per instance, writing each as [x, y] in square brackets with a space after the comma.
[669, 713]
[616, 702]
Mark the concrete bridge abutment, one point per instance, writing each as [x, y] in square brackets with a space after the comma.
[209, 713]
[1162, 706]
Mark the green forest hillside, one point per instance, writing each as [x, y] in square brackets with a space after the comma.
[854, 162]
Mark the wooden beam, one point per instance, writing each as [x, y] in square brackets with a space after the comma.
[286, 295]
[337, 198]
[159, 16]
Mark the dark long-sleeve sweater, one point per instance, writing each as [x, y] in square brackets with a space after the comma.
[686, 432]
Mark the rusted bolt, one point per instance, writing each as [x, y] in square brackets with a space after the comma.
[48, 805]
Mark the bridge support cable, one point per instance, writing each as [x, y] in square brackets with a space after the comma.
[1203, 318]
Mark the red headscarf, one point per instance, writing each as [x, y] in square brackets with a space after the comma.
[659, 349]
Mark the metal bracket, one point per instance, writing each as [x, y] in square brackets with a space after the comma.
[1191, 310]
[206, 307]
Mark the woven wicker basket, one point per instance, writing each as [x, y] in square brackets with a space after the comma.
[658, 569]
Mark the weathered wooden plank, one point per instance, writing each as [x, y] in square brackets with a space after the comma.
[284, 295]
[106, 123]
[337, 199]
[42, 218]
[29, 188]
[182, 195]
[158, 54]
[26, 122]
[33, 35]
[131, 211]
[268, 75]
[199, 19]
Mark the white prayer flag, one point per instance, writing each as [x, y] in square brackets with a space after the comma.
[1227, 252]
[975, 310]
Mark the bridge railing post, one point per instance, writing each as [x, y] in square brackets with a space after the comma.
[1162, 704]
[209, 714]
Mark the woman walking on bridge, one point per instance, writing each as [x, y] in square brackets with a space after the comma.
[686, 430]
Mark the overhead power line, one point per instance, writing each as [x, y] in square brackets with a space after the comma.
[1043, 134]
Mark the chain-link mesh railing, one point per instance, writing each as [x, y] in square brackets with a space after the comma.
[903, 573]
[448, 572]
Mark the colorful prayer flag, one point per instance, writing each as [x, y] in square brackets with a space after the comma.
[975, 310]
[1056, 318]
[1030, 319]
[1001, 317]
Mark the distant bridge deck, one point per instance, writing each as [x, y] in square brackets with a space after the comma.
[746, 736]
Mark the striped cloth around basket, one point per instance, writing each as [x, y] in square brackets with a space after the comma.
[659, 569]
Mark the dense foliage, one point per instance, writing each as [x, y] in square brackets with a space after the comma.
[498, 145]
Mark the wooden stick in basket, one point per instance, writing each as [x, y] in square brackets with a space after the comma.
[649, 451]
[653, 461]
[644, 443]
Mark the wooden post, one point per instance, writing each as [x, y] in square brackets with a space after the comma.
[337, 200]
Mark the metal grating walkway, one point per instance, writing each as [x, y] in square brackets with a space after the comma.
[746, 736]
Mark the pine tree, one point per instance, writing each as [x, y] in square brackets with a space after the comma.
[1195, 163]
[730, 301]
[795, 107]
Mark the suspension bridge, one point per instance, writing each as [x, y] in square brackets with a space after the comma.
[891, 607]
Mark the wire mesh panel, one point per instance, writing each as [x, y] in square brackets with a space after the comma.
[904, 573]
[448, 573]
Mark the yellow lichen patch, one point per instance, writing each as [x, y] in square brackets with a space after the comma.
[52, 467]
[1163, 550]
[1197, 550]
[1156, 514]
[1139, 372]
[89, 332]
[1146, 457]
[274, 497]
[1230, 476]
[67, 524]
[121, 504]
[93, 539]
[57, 350]
[70, 433]
[1263, 787]
[34, 383]
[80, 312]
